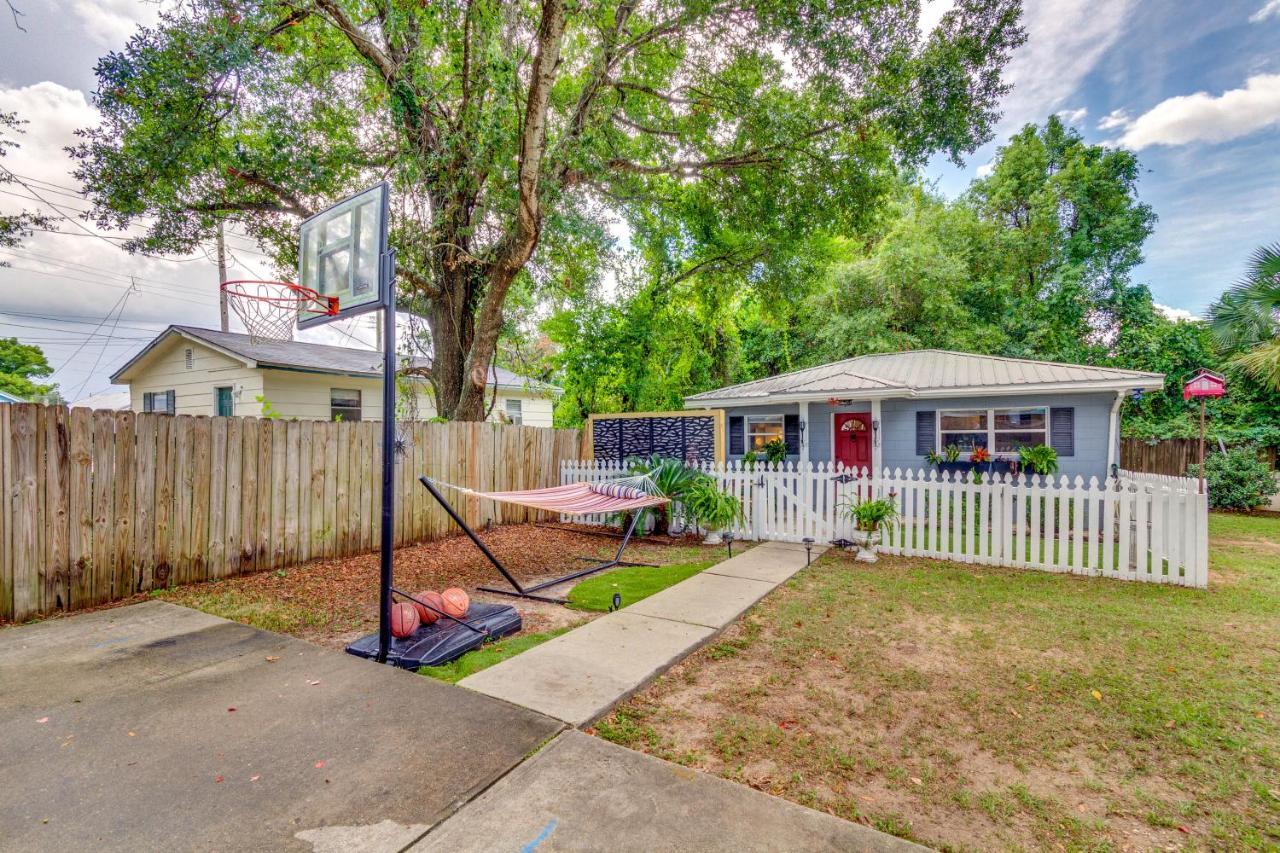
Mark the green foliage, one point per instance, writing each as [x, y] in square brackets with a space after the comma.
[933, 457]
[1042, 459]
[1237, 479]
[668, 478]
[749, 460]
[1246, 319]
[514, 134]
[269, 411]
[775, 451]
[872, 515]
[633, 583]
[15, 226]
[951, 453]
[713, 509]
[20, 364]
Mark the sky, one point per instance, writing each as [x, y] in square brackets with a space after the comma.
[1192, 87]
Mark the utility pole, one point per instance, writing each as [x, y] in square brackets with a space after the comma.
[222, 279]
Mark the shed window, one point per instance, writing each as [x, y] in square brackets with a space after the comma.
[344, 404]
[159, 402]
[762, 429]
[998, 430]
[514, 411]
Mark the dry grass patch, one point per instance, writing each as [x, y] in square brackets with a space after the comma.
[976, 708]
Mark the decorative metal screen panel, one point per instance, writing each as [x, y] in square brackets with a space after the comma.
[691, 438]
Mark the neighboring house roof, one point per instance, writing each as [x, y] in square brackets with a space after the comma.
[929, 373]
[299, 355]
[114, 400]
[6, 397]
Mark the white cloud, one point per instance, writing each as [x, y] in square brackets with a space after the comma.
[1175, 313]
[931, 12]
[1074, 116]
[986, 169]
[1065, 41]
[1270, 10]
[1202, 117]
[1114, 119]
[111, 22]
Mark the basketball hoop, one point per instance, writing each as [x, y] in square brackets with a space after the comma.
[269, 309]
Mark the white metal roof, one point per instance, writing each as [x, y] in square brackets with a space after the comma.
[930, 373]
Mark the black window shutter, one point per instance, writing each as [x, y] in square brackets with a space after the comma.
[1062, 430]
[148, 401]
[926, 432]
[737, 440]
[791, 433]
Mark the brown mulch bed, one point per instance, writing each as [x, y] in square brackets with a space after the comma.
[333, 601]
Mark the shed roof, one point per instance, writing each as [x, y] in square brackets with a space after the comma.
[931, 373]
[300, 355]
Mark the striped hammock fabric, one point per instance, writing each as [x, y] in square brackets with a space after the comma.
[577, 498]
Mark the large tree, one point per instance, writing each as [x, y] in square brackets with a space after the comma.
[512, 132]
[20, 365]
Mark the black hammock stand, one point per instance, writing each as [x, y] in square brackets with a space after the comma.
[531, 592]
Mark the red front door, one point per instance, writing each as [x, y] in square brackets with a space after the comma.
[853, 439]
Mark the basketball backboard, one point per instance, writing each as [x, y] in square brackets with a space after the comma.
[342, 253]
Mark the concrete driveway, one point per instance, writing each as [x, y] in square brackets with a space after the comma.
[157, 727]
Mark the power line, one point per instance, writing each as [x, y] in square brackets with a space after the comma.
[189, 297]
[80, 319]
[97, 361]
[71, 358]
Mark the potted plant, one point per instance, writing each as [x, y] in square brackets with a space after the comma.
[749, 460]
[775, 451]
[1041, 459]
[951, 461]
[712, 508]
[870, 518]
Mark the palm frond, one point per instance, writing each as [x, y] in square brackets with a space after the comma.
[1249, 312]
[1262, 363]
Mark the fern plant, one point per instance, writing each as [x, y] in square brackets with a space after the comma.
[1042, 459]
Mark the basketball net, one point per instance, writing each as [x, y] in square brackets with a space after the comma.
[269, 309]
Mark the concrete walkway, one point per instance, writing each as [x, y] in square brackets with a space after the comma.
[583, 793]
[579, 676]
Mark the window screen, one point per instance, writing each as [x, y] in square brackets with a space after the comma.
[514, 411]
[344, 404]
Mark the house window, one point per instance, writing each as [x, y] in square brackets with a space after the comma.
[998, 430]
[159, 402]
[190, 358]
[514, 411]
[344, 404]
[762, 429]
[222, 405]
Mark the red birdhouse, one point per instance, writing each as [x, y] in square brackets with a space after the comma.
[1205, 383]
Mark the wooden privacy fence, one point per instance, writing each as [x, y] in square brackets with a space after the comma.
[99, 505]
[1170, 456]
[1148, 529]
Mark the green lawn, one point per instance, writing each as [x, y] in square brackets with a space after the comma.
[487, 656]
[633, 583]
[972, 707]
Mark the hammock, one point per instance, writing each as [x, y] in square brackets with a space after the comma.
[574, 499]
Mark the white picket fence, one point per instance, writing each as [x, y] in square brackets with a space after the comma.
[1131, 528]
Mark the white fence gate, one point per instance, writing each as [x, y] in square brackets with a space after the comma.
[1130, 528]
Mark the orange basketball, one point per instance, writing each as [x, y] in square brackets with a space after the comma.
[404, 619]
[456, 602]
[426, 614]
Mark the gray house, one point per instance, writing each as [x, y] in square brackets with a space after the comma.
[890, 409]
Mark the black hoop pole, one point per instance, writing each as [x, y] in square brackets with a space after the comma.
[388, 450]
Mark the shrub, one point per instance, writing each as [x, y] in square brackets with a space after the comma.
[1237, 479]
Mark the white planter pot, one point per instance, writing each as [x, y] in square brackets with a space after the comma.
[867, 542]
[713, 538]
